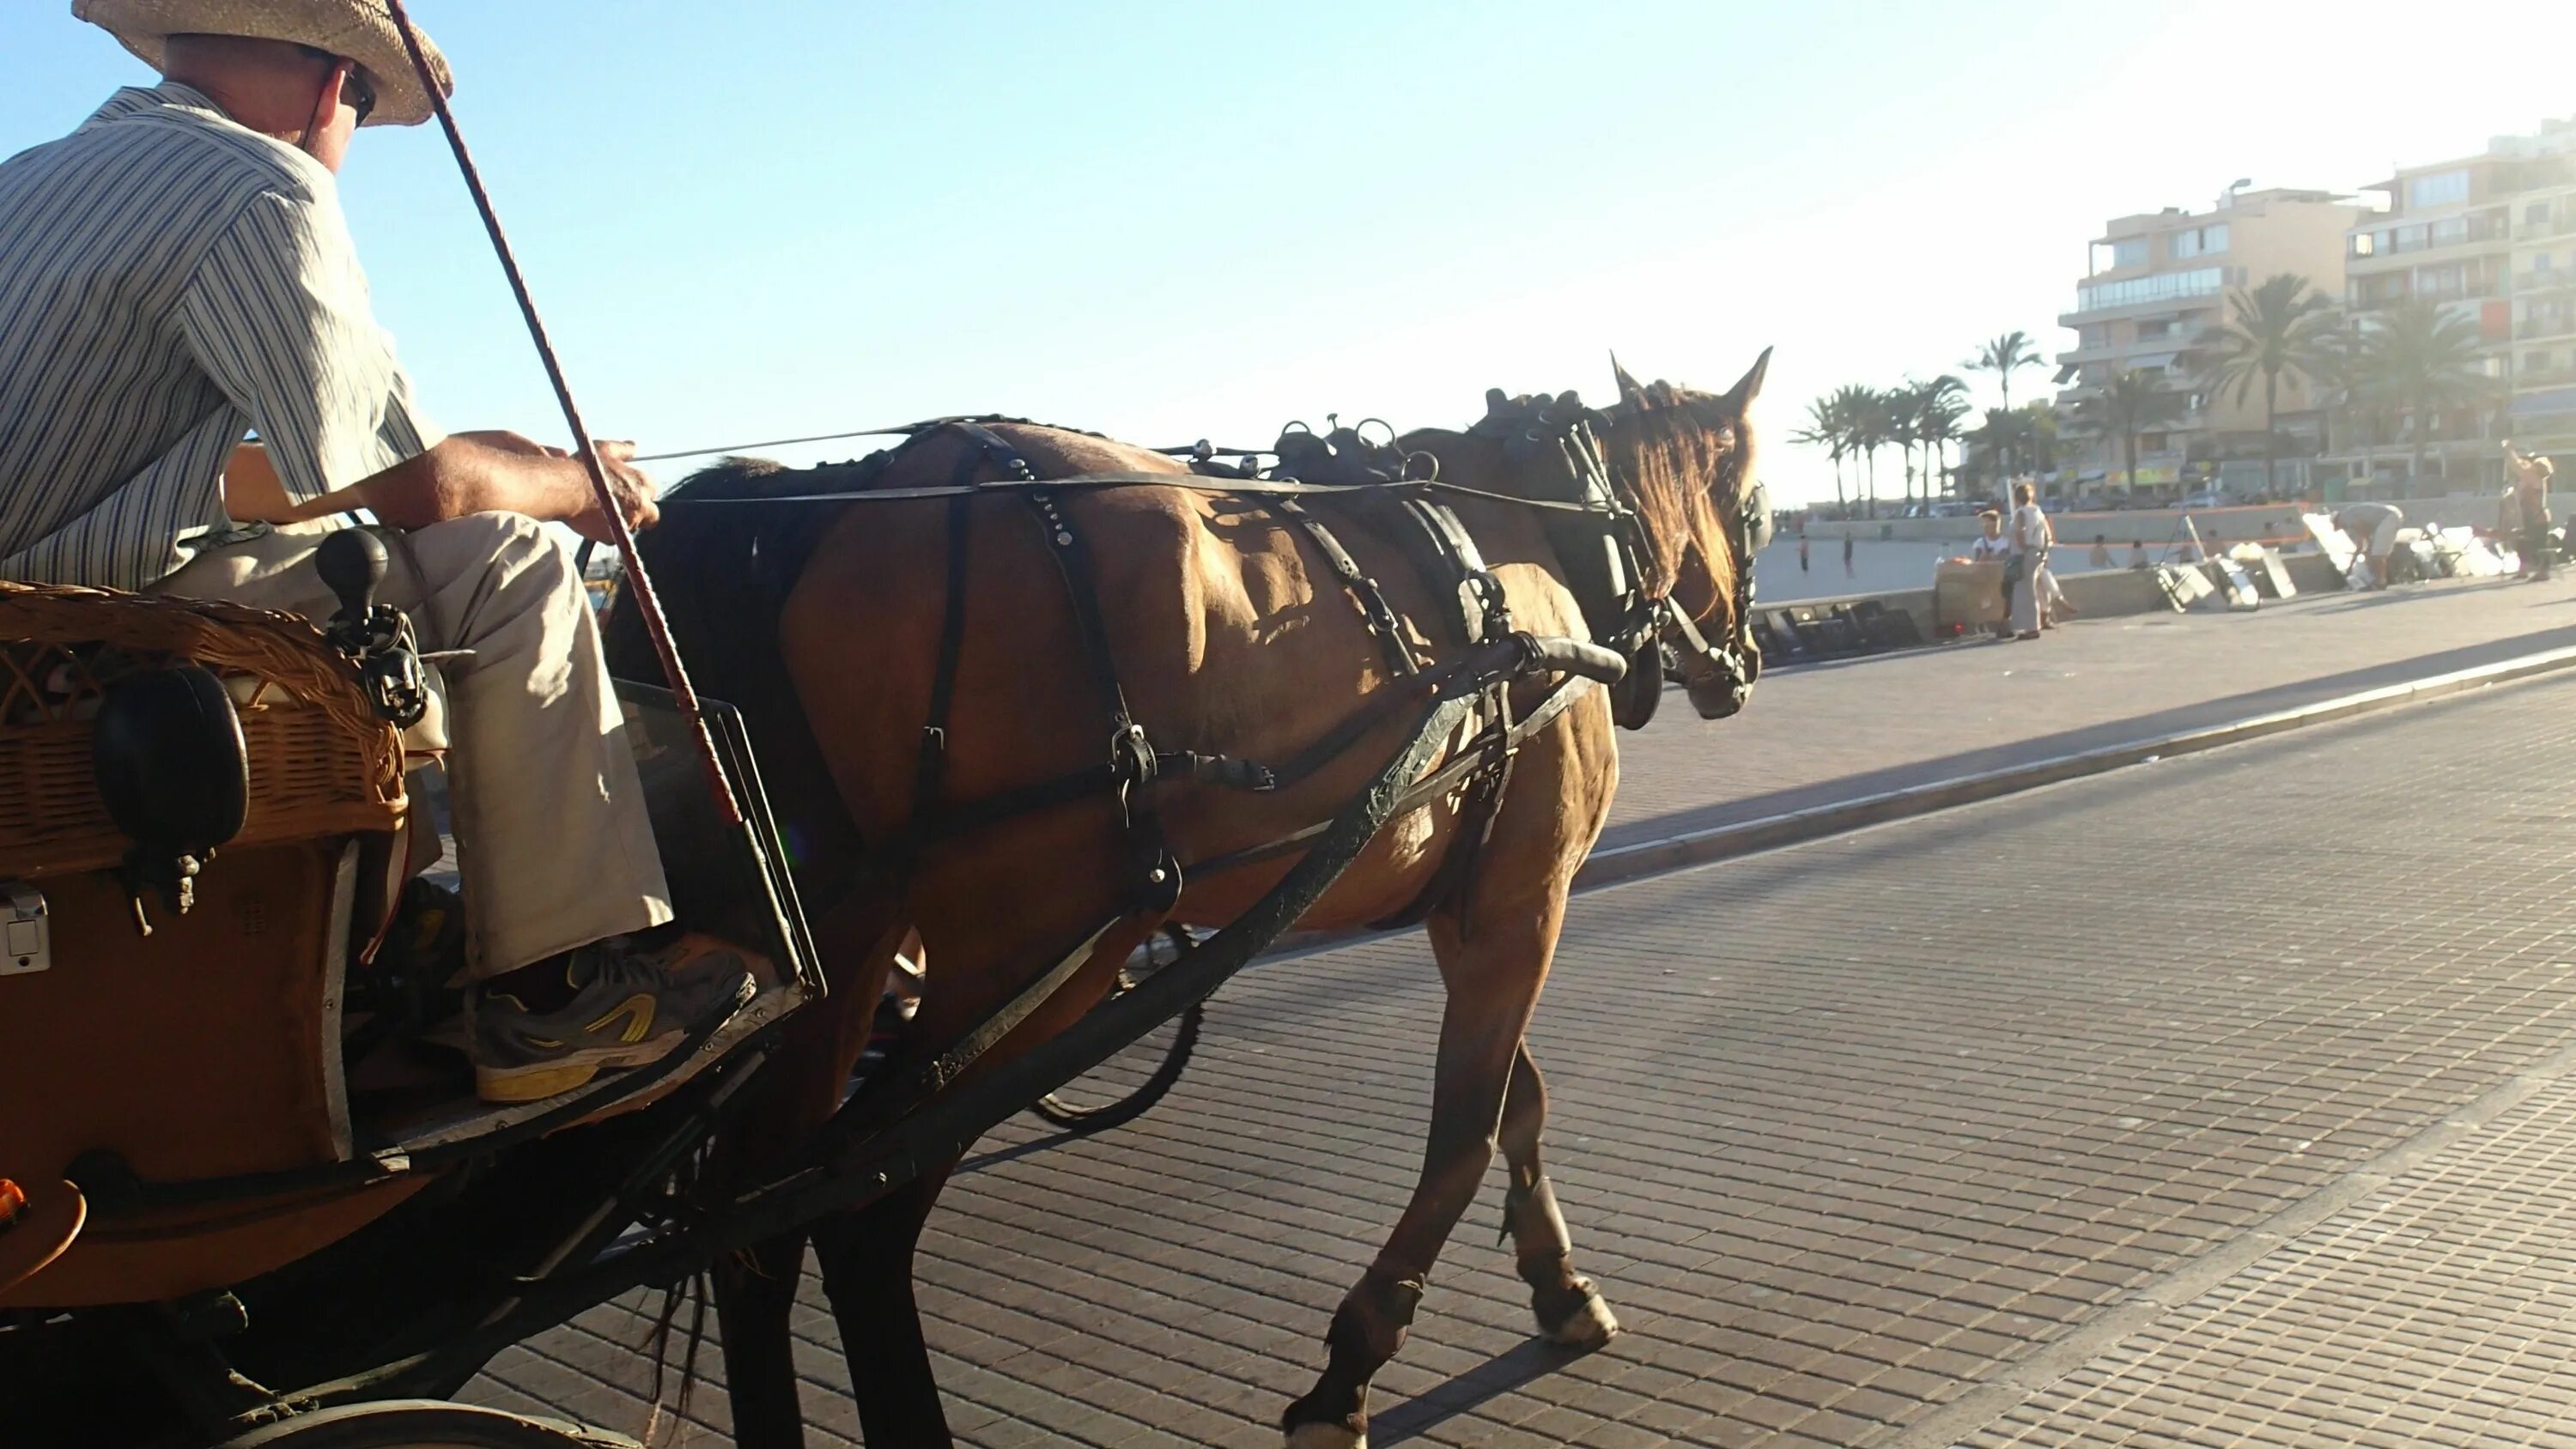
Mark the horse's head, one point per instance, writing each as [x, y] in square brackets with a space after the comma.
[1687, 457]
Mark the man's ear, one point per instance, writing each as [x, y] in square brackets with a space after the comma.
[326, 106]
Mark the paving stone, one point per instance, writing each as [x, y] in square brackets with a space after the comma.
[1927, 1069]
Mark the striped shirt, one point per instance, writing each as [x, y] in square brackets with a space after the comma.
[170, 281]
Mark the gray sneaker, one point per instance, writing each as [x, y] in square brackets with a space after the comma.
[630, 1007]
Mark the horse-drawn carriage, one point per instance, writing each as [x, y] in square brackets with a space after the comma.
[249, 1208]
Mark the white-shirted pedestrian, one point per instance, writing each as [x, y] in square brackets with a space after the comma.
[177, 273]
[2030, 535]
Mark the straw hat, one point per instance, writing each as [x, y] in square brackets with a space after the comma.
[361, 30]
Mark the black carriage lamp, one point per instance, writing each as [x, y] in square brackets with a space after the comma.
[640, 594]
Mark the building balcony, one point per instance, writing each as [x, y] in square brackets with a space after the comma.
[2553, 226]
[2479, 292]
[2545, 377]
[2496, 239]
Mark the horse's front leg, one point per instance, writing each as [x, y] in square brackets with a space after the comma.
[756, 1292]
[1569, 1308]
[1493, 981]
[866, 1259]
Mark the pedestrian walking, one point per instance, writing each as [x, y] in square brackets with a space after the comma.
[2530, 478]
[1802, 553]
[2031, 536]
[1847, 555]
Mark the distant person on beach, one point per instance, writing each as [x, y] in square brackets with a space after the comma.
[2030, 537]
[2372, 527]
[2530, 478]
[1802, 552]
[2138, 554]
[1847, 555]
[2101, 551]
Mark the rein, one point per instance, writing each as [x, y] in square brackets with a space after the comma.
[1196, 482]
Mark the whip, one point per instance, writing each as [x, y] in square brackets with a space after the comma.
[639, 583]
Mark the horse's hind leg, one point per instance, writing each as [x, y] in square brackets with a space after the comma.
[1493, 981]
[1569, 1308]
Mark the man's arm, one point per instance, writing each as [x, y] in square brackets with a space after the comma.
[483, 472]
[277, 315]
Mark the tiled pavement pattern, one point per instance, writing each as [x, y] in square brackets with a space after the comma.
[2441, 1309]
[1851, 1133]
[1831, 732]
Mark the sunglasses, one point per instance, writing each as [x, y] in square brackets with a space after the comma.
[355, 88]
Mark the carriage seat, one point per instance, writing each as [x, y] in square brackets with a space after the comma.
[211, 1046]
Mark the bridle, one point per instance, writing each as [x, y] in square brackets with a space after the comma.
[1734, 663]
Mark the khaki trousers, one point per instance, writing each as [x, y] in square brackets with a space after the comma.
[2030, 592]
[552, 838]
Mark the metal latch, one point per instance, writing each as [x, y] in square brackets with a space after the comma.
[26, 931]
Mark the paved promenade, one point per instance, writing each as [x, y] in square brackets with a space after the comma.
[2223, 1100]
[1825, 732]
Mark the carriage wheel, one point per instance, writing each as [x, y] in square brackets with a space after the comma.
[423, 1424]
[1126, 1086]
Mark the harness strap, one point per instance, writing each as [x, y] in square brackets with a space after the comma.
[1422, 792]
[1132, 761]
[1482, 615]
[930, 766]
[1381, 620]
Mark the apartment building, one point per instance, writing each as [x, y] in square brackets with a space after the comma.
[2156, 281]
[2541, 416]
[2482, 235]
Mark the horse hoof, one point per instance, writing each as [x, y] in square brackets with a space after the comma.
[1326, 1436]
[1590, 1324]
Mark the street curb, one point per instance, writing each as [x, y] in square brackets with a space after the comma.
[1723, 842]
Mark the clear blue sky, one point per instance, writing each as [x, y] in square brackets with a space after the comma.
[1170, 220]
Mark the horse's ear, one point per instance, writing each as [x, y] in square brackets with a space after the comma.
[1750, 387]
[1629, 393]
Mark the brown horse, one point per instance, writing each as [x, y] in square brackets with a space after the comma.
[1230, 636]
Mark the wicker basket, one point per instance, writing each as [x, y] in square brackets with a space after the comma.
[321, 762]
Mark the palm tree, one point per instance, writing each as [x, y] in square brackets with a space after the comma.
[2282, 327]
[1903, 416]
[1996, 439]
[2130, 403]
[1826, 429]
[2037, 438]
[2419, 359]
[1869, 434]
[1939, 406]
[2003, 357]
[1856, 408]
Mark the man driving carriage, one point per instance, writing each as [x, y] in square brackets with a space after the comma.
[176, 274]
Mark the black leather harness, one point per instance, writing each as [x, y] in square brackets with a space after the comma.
[1393, 493]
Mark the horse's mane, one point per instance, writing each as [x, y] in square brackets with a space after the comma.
[1681, 465]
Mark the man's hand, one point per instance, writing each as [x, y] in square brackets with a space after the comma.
[634, 492]
[503, 472]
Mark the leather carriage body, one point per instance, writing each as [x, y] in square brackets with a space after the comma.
[209, 1048]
